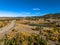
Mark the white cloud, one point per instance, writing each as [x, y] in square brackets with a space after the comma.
[36, 8]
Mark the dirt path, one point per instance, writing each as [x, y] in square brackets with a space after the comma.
[6, 29]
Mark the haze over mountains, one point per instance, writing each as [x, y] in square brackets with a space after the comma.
[46, 16]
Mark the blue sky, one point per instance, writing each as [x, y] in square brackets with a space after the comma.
[16, 8]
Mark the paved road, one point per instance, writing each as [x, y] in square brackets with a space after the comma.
[6, 29]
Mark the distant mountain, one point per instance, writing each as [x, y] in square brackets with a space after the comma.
[53, 16]
[47, 16]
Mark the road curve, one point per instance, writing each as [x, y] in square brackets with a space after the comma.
[7, 28]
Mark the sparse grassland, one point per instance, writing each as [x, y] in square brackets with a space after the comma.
[31, 32]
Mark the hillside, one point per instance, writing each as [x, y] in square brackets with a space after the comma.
[54, 16]
[46, 16]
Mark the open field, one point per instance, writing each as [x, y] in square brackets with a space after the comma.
[23, 31]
